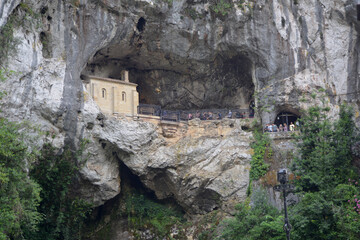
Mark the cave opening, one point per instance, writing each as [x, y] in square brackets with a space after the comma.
[286, 117]
[174, 83]
[134, 194]
[141, 24]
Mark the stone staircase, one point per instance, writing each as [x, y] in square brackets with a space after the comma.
[169, 129]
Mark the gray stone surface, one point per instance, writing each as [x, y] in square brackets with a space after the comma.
[196, 59]
[6, 7]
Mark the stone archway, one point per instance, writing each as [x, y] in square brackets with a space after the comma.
[286, 117]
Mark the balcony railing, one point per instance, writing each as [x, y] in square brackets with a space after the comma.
[203, 114]
[149, 109]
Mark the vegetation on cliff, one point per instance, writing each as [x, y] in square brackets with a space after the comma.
[328, 208]
[19, 194]
[326, 182]
[63, 215]
[259, 220]
[34, 188]
[23, 16]
[262, 152]
[36, 205]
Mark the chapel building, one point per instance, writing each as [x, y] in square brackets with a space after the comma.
[114, 96]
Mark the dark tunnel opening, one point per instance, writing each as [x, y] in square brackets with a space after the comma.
[286, 118]
[141, 24]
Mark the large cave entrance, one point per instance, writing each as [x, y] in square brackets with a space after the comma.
[222, 80]
[226, 83]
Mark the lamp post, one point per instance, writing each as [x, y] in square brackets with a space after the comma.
[284, 187]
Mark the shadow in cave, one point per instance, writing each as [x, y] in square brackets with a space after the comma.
[286, 117]
[115, 208]
[225, 81]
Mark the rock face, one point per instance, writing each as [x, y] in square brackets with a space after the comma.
[200, 170]
[6, 7]
[188, 54]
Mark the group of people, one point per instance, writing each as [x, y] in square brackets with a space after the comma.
[204, 116]
[217, 115]
[281, 128]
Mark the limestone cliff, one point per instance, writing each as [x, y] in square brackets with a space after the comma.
[184, 54]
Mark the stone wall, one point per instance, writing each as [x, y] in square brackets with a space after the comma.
[113, 96]
[190, 57]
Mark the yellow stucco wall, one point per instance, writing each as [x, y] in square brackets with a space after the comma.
[112, 100]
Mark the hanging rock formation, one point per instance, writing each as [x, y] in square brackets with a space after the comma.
[184, 55]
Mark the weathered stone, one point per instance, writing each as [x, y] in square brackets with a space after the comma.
[6, 7]
[182, 56]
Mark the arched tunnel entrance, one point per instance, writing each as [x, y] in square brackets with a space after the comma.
[286, 117]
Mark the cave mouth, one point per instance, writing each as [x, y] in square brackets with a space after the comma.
[286, 117]
[141, 24]
[134, 194]
[224, 81]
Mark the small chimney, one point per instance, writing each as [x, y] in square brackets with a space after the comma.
[125, 75]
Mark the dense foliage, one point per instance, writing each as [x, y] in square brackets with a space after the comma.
[325, 150]
[19, 195]
[63, 215]
[258, 221]
[144, 213]
[326, 182]
[324, 169]
[262, 151]
[36, 205]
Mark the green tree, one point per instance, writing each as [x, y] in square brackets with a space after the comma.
[19, 194]
[63, 214]
[323, 169]
[262, 151]
[259, 220]
[326, 182]
[144, 213]
[324, 150]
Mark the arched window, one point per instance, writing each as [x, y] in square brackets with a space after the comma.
[103, 93]
[123, 96]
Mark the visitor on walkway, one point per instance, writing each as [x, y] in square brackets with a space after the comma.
[229, 114]
[210, 116]
[285, 127]
[292, 127]
[281, 128]
[274, 128]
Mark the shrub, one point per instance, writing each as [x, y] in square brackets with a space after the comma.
[144, 213]
[221, 7]
[258, 220]
[262, 151]
[63, 214]
[19, 195]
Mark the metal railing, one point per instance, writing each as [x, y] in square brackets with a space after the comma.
[149, 109]
[168, 115]
[203, 114]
